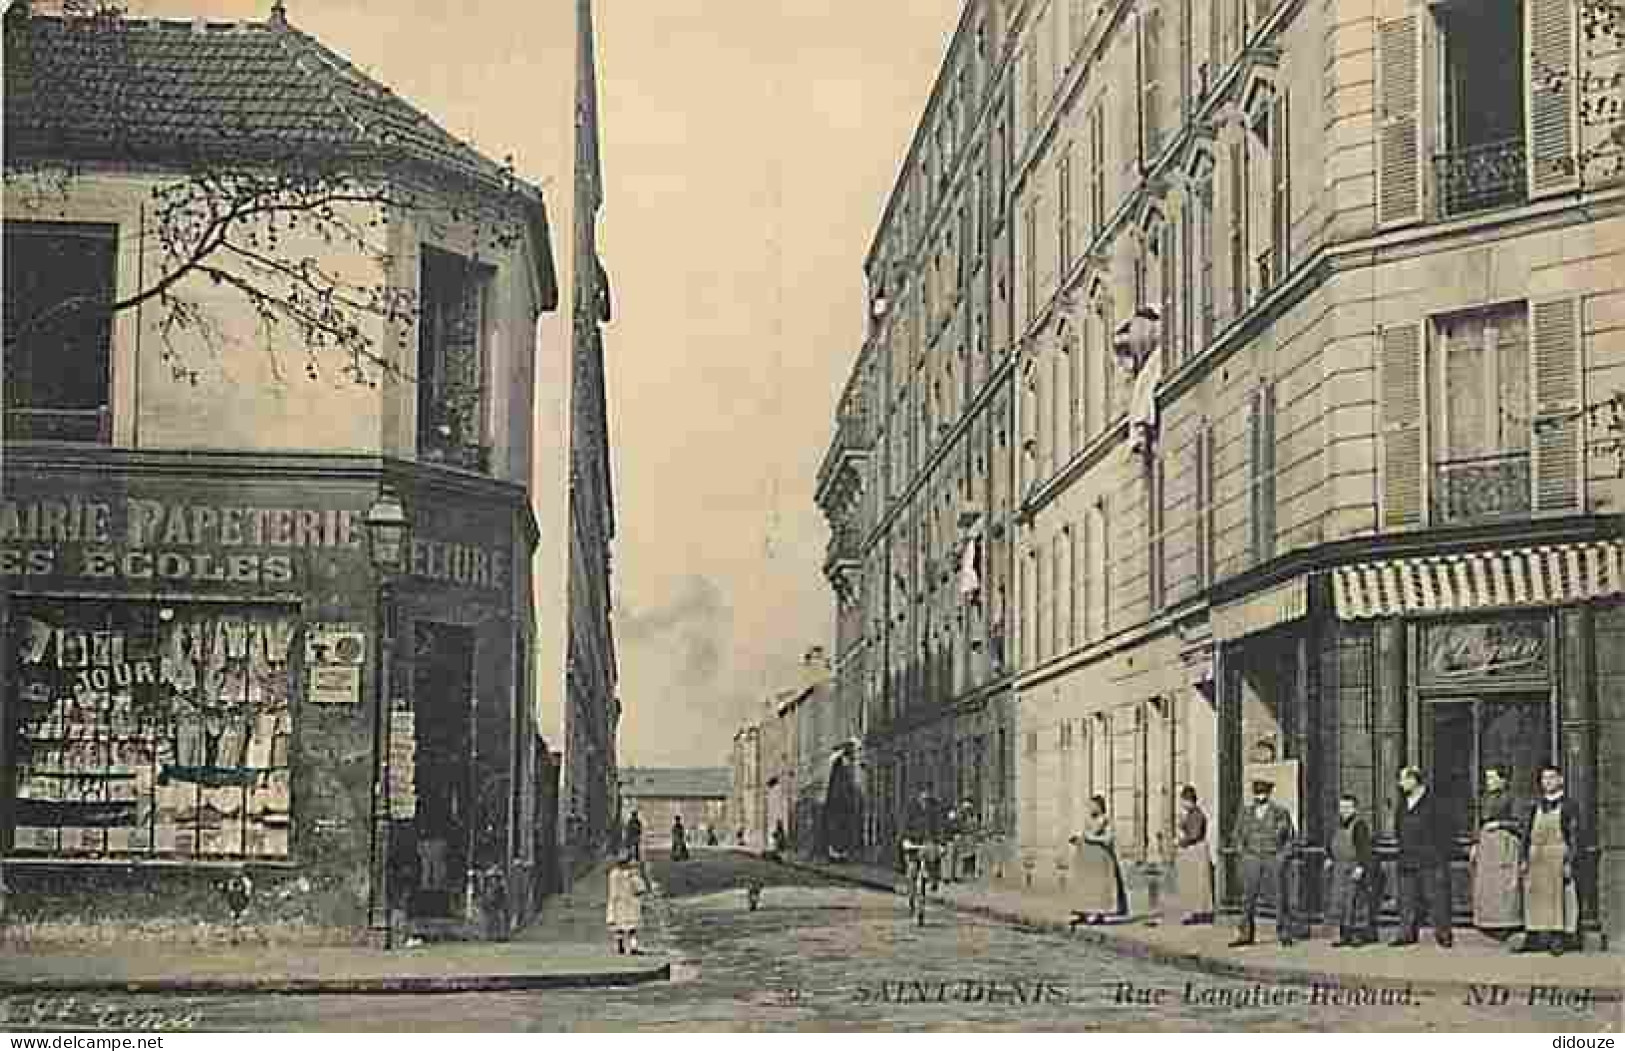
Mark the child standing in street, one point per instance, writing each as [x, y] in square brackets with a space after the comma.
[624, 913]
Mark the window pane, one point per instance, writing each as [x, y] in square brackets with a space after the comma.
[59, 287]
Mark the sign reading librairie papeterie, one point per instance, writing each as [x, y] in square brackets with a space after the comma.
[141, 541]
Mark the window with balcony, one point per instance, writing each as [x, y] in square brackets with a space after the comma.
[451, 360]
[1481, 415]
[1481, 162]
[59, 285]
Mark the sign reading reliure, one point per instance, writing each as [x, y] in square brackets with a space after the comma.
[140, 540]
[1473, 652]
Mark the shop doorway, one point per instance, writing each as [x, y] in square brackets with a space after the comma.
[1461, 736]
[442, 684]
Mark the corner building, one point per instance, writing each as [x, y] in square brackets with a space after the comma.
[1377, 523]
[196, 645]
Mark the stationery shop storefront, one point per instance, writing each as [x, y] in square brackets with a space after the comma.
[192, 691]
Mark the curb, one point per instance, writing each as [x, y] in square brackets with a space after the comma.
[383, 985]
[1194, 961]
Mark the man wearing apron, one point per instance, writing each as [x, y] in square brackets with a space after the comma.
[1551, 847]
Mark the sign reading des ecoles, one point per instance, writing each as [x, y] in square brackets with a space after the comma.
[146, 542]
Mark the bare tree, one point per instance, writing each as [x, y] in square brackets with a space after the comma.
[238, 204]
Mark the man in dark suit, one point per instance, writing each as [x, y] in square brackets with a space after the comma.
[1263, 837]
[1423, 831]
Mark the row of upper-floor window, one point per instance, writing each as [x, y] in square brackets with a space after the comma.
[1456, 91]
[1481, 421]
[62, 294]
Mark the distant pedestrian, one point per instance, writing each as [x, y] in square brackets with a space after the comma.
[1551, 851]
[1497, 888]
[1263, 838]
[1100, 891]
[679, 839]
[634, 835]
[1424, 838]
[1351, 901]
[624, 911]
[1193, 864]
[710, 835]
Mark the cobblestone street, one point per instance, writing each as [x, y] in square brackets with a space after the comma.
[822, 955]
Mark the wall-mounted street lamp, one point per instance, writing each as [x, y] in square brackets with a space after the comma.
[387, 526]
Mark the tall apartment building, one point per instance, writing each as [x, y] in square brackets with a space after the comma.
[592, 706]
[202, 670]
[1358, 507]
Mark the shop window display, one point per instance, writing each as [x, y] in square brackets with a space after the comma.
[151, 731]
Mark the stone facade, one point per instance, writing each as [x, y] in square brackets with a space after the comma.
[1382, 320]
[202, 676]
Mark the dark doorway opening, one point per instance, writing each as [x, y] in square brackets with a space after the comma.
[1463, 736]
[442, 684]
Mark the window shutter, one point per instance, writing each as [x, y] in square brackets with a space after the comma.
[1204, 505]
[1239, 208]
[1549, 43]
[1183, 320]
[1556, 441]
[1261, 468]
[1399, 95]
[1281, 190]
[1404, 492]
[1172, 330]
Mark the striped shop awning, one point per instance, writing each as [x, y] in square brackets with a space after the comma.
[1523, 576]
[1269, 608]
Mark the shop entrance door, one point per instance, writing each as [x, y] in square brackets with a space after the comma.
[1463, 736]
[442, 682]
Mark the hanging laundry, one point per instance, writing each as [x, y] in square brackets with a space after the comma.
[36, 640]
[260, 741]
[257, 666]
[278, 638]
[72, 649]
[235, 630]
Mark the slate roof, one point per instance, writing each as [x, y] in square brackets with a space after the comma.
[163, 90]
[676, 782]
[171, 93]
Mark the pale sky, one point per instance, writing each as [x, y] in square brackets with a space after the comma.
[748, 148]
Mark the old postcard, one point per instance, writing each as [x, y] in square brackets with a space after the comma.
[651, 515]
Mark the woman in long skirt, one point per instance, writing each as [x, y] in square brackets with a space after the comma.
[1497, 891]
[1100, 881]
[1193, 867]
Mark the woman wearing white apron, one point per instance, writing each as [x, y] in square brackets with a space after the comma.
[1551, 905]
[1193, 867]
[1497, 892]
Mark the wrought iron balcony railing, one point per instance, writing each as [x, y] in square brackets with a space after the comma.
[1475, 178]
[1482, 487]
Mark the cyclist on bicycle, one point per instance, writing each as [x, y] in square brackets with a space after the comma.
[921, 832]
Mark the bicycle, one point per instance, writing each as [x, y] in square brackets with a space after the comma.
[917, 877]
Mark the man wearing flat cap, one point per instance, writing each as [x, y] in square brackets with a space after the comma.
[1263, 838]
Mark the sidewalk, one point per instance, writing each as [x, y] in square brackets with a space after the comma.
[1475, 960]
[565, 947]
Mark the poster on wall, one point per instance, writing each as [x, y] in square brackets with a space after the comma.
[334, 655]
[146, 730]
[333, 685]
[402, 758]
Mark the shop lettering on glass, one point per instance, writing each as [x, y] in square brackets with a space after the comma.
[148, 730]
[153, 540]
[1513, 649]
